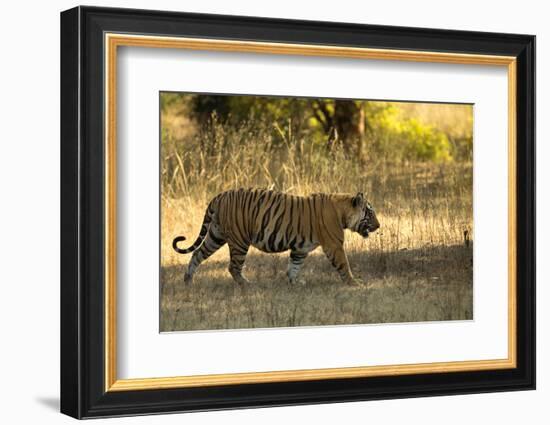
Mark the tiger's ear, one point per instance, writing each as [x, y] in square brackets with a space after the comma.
[357, 200]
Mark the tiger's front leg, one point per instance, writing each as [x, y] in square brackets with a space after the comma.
[295, 264]
[338, 258]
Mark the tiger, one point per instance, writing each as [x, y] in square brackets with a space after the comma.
[274, 222]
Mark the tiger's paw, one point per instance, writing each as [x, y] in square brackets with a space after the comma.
[243, 282]
[188, 279]
[297, 282]
[356, 282]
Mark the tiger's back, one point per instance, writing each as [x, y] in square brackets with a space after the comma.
[268, 220]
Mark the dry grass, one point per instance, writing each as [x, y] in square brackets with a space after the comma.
[427, 284]
[416, 268]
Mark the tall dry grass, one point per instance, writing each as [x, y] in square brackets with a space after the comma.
[417, 267]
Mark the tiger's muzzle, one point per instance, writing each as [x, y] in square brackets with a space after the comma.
[366, 227]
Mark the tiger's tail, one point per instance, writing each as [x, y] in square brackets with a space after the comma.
[198, 242]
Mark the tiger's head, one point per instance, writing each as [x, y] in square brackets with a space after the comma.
[361, 217]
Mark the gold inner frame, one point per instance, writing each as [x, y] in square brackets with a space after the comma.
[113, 41]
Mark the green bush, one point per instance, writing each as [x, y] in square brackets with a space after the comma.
[400, 139]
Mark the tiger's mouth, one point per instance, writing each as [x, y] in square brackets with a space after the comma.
[363, 230]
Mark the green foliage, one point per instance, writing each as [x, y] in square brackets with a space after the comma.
[236, 111]
[400, 139]
[311, 131]
[170, 100]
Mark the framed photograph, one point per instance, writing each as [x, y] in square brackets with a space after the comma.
[260, 212]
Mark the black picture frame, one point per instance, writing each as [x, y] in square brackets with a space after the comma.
[83, 392]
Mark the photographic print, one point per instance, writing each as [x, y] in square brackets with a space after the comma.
[319, 196]
[287, 211]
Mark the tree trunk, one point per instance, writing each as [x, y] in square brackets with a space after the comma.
[349, 123]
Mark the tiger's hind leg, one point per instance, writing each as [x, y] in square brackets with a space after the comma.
[237, 253]
[295, 263]
[212, 242]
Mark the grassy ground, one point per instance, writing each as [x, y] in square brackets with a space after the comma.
[417, 267]
[427, 284]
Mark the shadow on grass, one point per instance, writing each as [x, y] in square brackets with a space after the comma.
[427, 284]
[430, 262]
